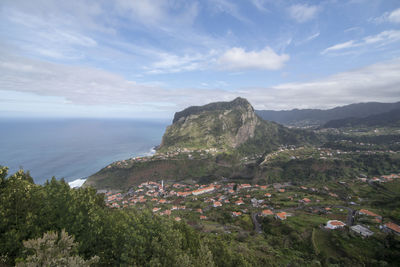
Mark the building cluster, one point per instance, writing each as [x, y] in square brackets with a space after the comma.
[173, 198]
[381, 179]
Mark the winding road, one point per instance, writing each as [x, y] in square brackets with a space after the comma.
[257, 225]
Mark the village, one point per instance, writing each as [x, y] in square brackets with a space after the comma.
[235, 207]
[287, 152]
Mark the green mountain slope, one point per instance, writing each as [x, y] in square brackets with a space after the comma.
[227, 126]
[223, 139]
[305, 117]
[386, 119]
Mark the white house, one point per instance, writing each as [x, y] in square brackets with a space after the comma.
[334, 224]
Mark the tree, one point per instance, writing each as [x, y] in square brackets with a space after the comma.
[54, 249]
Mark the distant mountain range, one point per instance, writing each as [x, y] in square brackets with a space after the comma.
[386, 119]
[319, 117]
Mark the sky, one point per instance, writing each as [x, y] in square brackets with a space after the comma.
[151, 58]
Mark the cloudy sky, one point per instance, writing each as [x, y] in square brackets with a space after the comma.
[150, 58]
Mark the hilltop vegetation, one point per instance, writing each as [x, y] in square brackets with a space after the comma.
[228, 126]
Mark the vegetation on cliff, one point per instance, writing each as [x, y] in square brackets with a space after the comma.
[228, 126]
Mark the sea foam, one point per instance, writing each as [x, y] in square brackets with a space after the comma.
[76, 183]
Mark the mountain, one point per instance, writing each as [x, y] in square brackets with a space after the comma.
[205, 143]
[386, 119]
[317, 117]
[226, 126]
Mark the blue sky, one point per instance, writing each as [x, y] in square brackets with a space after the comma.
[150, 58]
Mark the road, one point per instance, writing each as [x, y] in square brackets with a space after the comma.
[257, 225]
[350, 215]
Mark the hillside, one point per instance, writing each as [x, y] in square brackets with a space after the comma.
[227, 126]
[386, 119]
[317, 117]
[223, 139]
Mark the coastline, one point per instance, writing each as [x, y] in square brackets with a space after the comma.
[77, 183]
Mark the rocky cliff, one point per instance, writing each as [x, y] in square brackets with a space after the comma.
[226, 126]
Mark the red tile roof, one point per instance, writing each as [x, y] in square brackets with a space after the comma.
[393, 226]
[369, 213]
[267, 212]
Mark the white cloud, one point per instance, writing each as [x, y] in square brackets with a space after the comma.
[260, 4]
[228, 7]
[171, 63]
[88, 87]
[377, 82]
[393, 17]
[381, 39]
[94, 87]
[340, 46]
[238, 59]
[308, 39]
[303, 12]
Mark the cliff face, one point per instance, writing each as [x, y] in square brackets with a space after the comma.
[230, 127]
[221, 125]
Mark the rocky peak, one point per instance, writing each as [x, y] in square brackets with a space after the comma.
[237, 103]
[223, 125]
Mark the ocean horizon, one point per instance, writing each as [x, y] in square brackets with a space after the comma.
[73, 148]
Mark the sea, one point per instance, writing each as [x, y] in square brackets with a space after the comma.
[74, 149]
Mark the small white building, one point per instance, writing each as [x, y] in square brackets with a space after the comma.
[334, 224]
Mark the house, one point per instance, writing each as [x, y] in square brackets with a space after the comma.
[305, 200]
[391, 228]
[281, 190]
[217, 204]
[267, 195]
[156, 209]
[199, 210]
[267, 213]
[369, 213]
[239, 202]
[203, 190]
[202, 217]
[244, 186]
[363, 231]
[178, 219]
[184, 194]
[236, 214]
[281, 216]
[334, 224]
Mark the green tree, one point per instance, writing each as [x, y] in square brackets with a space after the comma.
[54, 249]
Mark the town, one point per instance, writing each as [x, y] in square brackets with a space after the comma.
[226, 207]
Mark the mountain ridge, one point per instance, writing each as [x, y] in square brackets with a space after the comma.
[386, 119]
[318, 117]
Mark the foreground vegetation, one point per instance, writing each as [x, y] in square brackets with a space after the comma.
[99, 235]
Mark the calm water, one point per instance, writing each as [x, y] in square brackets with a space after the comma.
[73, 148]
